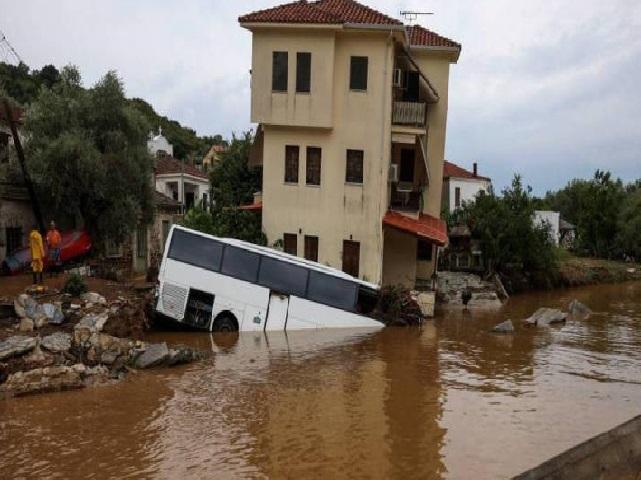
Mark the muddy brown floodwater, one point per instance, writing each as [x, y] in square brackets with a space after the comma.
[448, 401]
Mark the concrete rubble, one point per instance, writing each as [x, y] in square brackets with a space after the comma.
[578, 309]
[84, 355]
[504, 327]
[545, 317]
[452, 285]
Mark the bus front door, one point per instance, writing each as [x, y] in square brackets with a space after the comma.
[277, 313]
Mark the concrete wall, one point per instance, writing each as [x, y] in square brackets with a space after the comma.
[335, 210]
[551, 219]
[437, 69]
[399, 259]
[197, 185]
[313, 109]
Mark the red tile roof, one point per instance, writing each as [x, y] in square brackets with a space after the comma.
[320, 12]
[453, 170]
[425, 226]
[169, 165]
[422, 37]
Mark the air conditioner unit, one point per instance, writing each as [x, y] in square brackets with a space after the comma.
[393, 173]
[398, 78]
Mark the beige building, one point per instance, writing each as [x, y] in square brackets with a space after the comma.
[352, 112]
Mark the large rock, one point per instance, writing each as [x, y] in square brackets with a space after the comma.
[52, 379]
[107, 349]
[16, 345]
[53, 313]
[544, 317]
[182, 354]
[578, 309]
[93, 297]
[25, 325]
[154, 354]
[504, 327]
[87, 326]
[38, 358]
[57, 342]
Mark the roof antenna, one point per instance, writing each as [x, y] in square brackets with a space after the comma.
[7, 49]
[410, 15]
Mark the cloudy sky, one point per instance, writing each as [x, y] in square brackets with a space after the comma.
[546, 88]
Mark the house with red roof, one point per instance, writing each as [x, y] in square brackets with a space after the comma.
[351, 113]
[461, 185]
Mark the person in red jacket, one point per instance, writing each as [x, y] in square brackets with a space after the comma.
[53, 243]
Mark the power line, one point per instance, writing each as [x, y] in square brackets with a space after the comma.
[7, 50]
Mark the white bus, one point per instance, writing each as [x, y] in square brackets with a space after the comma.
[222, 284]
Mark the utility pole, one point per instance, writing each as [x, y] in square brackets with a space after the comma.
[27, 179]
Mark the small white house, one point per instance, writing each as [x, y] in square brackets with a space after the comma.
[182, 182]
[158, 145]
[552, 220]
[460, 185]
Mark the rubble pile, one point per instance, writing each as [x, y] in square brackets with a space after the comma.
[398, 306]
[65, 345]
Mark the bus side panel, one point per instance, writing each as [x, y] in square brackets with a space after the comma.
[303, 311]
[243, 299]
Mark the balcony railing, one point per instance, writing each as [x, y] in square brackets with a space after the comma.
[405, 198]
[408, 113]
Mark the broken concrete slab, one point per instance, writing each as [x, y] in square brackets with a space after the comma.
[50, 379]
[57, 342]
[87, 326]
[154, 354]
[25, 325]
[93, 297]
[545, 317]
[504, 327]
[54, 313]
[16, 345]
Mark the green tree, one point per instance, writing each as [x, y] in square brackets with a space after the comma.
[510, 240]
[87, 154]
[628, 237]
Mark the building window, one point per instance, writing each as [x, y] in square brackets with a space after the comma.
[407, 165]
[457, 197]
[13, 239]
[424, 251]
[189, 200]
[291, 163]
[351, 257]
[358, 73]
[311, 248]
[279, 72]
[205, 204]
[141, 241]
[313, 166]
[290, 243]
[303, 72]
[354, 166]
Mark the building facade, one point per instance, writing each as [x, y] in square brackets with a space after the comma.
[460, 185]
[352, 112]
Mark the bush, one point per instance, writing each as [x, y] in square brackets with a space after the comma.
[75, 285]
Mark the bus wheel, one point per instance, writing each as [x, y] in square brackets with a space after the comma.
[225, 322]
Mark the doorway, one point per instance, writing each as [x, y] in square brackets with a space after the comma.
[351, 257]
[277, 312]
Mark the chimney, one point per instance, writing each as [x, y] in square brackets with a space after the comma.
[474, 169]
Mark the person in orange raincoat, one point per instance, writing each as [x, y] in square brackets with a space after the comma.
[53, 244]
[37, 254]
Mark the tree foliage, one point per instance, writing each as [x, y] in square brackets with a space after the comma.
[603, 211]
[88, 157]
[510, 239]
[23, 84]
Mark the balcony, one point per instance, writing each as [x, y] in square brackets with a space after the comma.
[408, 113]
[405, 197]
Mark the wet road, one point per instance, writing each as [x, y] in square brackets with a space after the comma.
[449, 401]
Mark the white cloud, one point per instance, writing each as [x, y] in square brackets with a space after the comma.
[545, 88]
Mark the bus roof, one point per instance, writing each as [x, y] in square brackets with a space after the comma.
[282, 256]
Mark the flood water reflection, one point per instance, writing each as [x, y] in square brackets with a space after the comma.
[448, 401]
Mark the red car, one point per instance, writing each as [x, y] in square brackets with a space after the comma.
[74, 245]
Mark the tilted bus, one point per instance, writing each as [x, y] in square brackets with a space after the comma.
[222, 284]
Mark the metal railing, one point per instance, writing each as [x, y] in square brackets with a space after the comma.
[408, 113]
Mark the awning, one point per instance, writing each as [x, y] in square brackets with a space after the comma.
[425, 227]
[252, 206]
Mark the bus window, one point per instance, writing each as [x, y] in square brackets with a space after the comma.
[283, 276]
[332, 291]
[241, 264]
[196, 250]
